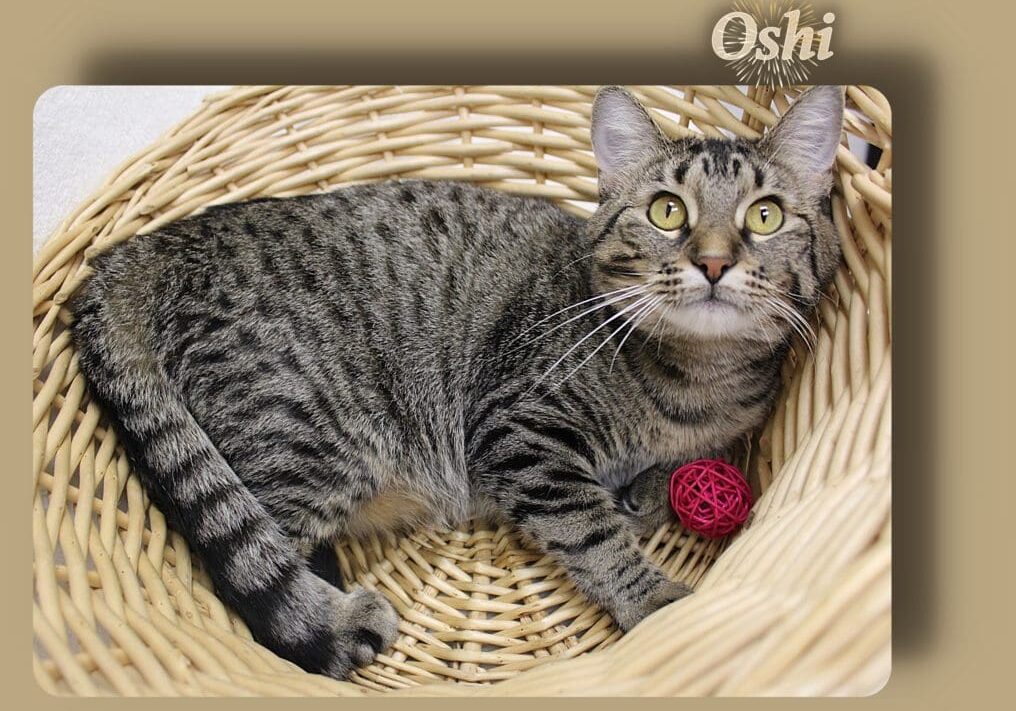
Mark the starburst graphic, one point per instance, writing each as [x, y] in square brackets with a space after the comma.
[774, 71]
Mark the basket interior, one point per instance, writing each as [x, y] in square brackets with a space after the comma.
[797, 603]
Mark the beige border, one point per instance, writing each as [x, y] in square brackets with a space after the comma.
[953, 576]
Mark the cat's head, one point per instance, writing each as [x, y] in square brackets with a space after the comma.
[723, 238]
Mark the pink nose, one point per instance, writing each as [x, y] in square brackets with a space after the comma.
[713, 267]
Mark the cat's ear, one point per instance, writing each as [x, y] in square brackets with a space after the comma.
[623, 133]
[807, 136]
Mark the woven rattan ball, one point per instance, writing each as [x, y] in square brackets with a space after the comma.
[797, 603]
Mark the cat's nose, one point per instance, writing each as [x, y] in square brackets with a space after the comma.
[713, 267]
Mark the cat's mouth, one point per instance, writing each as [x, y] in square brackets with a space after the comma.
[714, 305]
[714, 300]
[709, 315]
[711, 299]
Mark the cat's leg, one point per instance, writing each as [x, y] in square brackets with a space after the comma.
[645, 501]
[259, 570]
[547, 491]
[357, 625]
[253, 560]
[306, 501]
[288, 588]
[292, 603]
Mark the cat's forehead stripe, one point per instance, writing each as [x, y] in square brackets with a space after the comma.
[715, 156]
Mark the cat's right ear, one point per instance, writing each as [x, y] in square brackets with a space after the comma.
[623, 134]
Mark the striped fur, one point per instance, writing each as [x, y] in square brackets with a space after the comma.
[283, 372]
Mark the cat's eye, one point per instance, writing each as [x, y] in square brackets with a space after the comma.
[764, 217]
[668, 212]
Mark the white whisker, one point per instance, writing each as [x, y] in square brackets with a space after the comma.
[645, 311]
[755, 313]
[795, 315]
[619, 314]
[612, 298]
[659, 321]
[602, 344]
[574, 261]
[801, 327]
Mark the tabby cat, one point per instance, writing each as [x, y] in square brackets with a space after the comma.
[283, 372]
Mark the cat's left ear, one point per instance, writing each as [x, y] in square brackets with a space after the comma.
[623, 134]
[807, 136]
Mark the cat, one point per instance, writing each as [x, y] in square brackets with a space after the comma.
[282, 372]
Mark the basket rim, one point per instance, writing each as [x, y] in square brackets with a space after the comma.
[859, 413]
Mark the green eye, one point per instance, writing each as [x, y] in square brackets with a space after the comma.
[668, 212]
[763, 217]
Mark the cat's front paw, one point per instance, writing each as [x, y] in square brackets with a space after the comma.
[663, 593]
[645, 502]
[365, 624]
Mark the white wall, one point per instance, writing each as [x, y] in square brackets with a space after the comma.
[82, 133]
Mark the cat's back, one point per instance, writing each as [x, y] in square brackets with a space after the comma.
[399, 272]
[413, 233]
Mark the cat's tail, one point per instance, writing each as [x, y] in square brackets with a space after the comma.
[255, 566]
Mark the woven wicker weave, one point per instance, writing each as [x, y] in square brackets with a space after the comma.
[798, 603]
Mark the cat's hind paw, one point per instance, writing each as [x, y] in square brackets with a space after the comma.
[365, 625]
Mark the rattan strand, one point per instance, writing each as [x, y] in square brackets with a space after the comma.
[798, 603]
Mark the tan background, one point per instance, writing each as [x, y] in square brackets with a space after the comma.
[941, 67]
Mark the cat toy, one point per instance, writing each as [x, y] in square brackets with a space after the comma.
[710, 497]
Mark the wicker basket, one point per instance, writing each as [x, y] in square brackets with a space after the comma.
[798, 603]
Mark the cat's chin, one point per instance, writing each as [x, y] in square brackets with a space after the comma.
[710, 318]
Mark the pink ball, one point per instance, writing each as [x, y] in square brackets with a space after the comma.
[710, 497]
